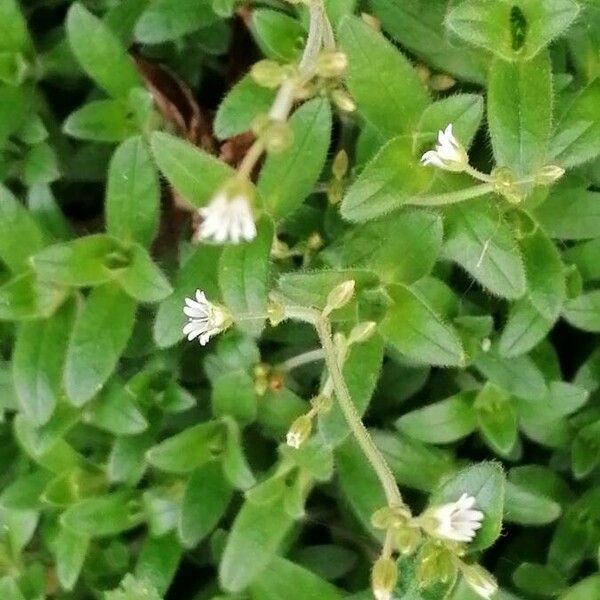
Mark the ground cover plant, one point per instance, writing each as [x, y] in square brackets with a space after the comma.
[299, 299]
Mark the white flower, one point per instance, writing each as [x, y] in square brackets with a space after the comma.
[448, 154]
[205, 319]
[479, 580]
[227, 218]
[457, 520]
[299, 431]
[292, 439]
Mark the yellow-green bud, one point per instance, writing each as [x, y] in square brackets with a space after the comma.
[299, 431]
[390, 517]
[479, 580]
[275, 312]
[331, 64]
[278, 137]
[435, 563]
[362, 332]
[268, 73]
[372, 21]
[315, 241]
[384, 576]
[441, 82]
[548, 175]
[343, 100]
[339, 296]
[339, 167]
[504, 184]
[407, 539]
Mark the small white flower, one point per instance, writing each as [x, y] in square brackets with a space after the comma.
[299, 431]
[227, 218]
[457, 521]
[205, 319]
[479, 580]
[449, 153]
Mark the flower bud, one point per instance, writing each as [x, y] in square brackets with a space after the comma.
[407, 539]
[331, 64]
[315, 241]
[339, 167]
[362, 332]
[372, 21]
[505, 185]
[268, 73]
[299, 431]
[479, 580]
[390, 517]
[275, 312]
[343, 100]
[435, 563]
[548, 175]
[384, 576]
[278, 137]
[441, 82]
[339, 296]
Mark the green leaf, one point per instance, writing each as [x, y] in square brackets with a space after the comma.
[189, 449]
[103, 515]
[577, 131]
[545, 274]
[132, 195]
[570, 213]
[242, 104]
[20, 235]
[386, 88]
[115, 411]
[24, 297]
[205, 500]
[279, 36]
[158, 563]
[586, 257]
[512, 29]
[253, 542]
[391, 180]
[414, 328]
[233, 395]
[525, 328]
[87, 261]
[15, 36]
[423, 33]
[235, 466]
[402, 247]
[496, 419]
[584, 311]
[528, 507]
[199, 271]
[142, 279]
[284, 579]
[99, 337]
[192, 172]
[243, 278]
[486, 483]
[480, 242]
[38, 359]
[538, 579]
[101, 121]
[441, 422]
[100, 53]
[166, 20]
[287, 178]
[69, 551]
[520, 113]
[519, 376]
[585, 450]
[9, 589]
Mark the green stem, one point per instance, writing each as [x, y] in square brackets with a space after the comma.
[302, 359]
[365, 441]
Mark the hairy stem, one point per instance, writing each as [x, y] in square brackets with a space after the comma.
[364, 439]
[302, 359]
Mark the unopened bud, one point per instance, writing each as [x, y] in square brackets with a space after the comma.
[479, 580]
[339, 167]
[504, 184]
[343, 100]
[331, 64]
[299, 431]
[441, 82]
[407, 539]
[315, 241]
[390, 517]
[362, 332]
[384, 576]
[275, 312]
[548, 175]
[372, 21]
[435, 563]
[278, 137]
[268, 73]
[339, 296]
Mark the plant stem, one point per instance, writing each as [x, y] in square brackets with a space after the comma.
[302, 359]
[374, 456]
